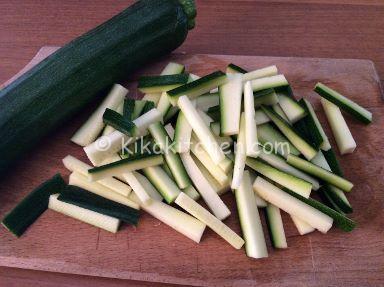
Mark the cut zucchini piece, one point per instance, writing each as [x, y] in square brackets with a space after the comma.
[94, 125]
[132, 163]
[107, 146]
[338, 198]
[99, 220]
[207, 101]
[214, 202]
[344, 103]
[261, 117]
[82, 198]
[176, 219]
[82, 181]
[220, 189]
[206, 160]
[183, 132]
[319, 172]
[164, 105]
[340, 130]
[315, 126]
[192, 192]
[171, 114]
[224, 141]
[334, 195]
[162, 182]
[73, 164]
[259, 201]
[250, 222]
[302, 226]
[273, 140]
[305, 148]
[278, 162]
[119, 122]
[137, 187]
[260, 73]
[234, 69]
[278, 110]
[147, 107]
[108, 129]
[292, 109]
[147, 185]
[215, 128]
[172, 68]
[155, 97]
[170, 130]
[334, 164]
[201, 129]
[32, 206]
[252, 145]
[128, 109]
[266, 97]
[269, 82]
[163, 83]
[276, 228]
[290, 181]
[230, 105]
[173, 159]
[240, 156]
[198, 87]
[195, 209]
[193, 77]
[137, 111]
[341, 221]
[290, 203]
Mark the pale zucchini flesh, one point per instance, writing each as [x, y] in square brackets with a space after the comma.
[292, 205]
[240, 156]
[274, 141]
[319, 172]
[251, 142]
[102, 221]
[343, 136]
[149, 188]
[302, 226]
[183, 132]
[207, 101]
[94, 125]
[260, 73]
[275, 224]
[201, 129]
[214, 202]
[82, 181]
[255, 245]
[195, 209]
[109, 145]
[163, 183]
[261, 117]
[289, 181]
[269, 82]
[73, 164]
[230, 105]
[125, 165]
[305, 148]
[174, 218]
[291, 108]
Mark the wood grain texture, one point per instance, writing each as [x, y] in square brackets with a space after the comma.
[154, 252]
[311, 28]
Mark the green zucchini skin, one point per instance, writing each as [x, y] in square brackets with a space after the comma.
[32, 206]
[58, 87]
[85, 199]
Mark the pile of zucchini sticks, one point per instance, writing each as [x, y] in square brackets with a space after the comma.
[192, 139]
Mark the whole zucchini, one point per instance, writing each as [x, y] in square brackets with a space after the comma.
[51, 92]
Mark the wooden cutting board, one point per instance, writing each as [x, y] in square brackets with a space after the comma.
[154, 252]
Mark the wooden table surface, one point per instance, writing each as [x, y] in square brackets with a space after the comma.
[308, 28]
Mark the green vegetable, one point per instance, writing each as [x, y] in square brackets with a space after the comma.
[119, 122]
[344, 103]
[163, 83]
[129, 107]
[32, 206]
[232, 69]
[58, 87]
[85, 199]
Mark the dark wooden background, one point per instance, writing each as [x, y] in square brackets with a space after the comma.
[308, 28]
